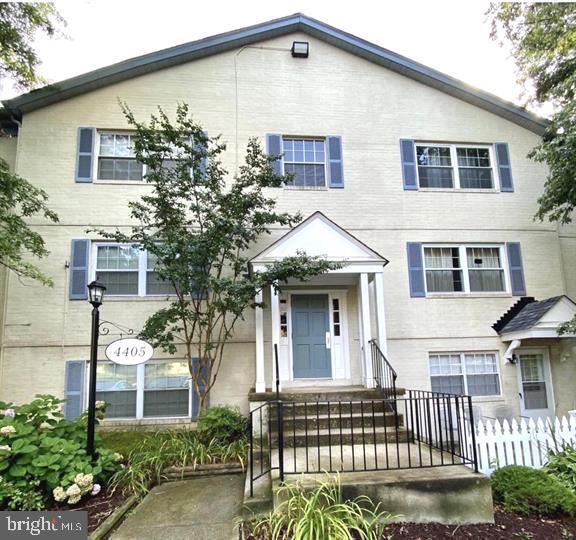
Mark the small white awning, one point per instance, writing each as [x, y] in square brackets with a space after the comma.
[319, 236]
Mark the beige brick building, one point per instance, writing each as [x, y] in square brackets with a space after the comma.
[418, 181]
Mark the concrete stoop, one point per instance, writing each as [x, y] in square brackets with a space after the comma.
[450, 495]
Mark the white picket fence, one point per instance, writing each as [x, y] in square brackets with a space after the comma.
[526, 442]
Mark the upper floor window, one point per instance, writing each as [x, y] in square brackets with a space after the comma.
[116, 159]
[464, 269]
[127, 270]
[306, 160]
[452, 166]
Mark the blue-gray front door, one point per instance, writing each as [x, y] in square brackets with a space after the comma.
[310, 323]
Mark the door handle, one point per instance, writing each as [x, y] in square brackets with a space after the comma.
[327, 340]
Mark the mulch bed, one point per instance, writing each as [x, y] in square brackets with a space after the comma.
[506, 527]
[98, 507]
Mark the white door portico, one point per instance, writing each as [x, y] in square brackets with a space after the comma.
[362, 269]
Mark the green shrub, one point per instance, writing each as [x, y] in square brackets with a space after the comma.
[562, 464]
[43, 457]
[321, 513]
[529, 491]
[223, 424]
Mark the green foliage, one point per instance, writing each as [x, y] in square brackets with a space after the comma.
[20, 23]
[124, 442]
[200, 226]
[543, 40]
[224, 424]
[562, 464]
[176, 449]
[20, 200]
[542, 36]
[529, 492]
[321, 513]
[41, 452]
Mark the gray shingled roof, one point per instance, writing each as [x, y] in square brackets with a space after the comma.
[530, 315]
[298, 22]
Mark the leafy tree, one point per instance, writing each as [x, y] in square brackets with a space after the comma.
[19, 200]
[19, 24]
[542, 36]
[199, 225]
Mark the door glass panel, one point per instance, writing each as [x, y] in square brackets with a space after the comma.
[533, 383]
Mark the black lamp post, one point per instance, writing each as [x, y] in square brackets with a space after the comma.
[95, 296]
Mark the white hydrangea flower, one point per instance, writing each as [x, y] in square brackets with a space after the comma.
[5, 447]
[59, 494]
[118, 456]
[5, 430]
[100, 404]
[84, 480]
[74, 499]
[96, 489]
[10, 412]
[73, 491]
[45, 425]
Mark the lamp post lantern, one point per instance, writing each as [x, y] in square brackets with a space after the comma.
[95, 296]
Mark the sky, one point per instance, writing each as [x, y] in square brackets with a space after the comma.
[452, 37]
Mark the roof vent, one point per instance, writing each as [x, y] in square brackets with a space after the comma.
[300, 49]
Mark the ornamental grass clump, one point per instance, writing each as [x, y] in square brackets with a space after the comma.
[43, 459]
[562, 465]
[321, 513]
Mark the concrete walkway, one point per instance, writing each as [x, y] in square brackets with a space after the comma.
[203, 508]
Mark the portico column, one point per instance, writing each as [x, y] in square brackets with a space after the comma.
[380, 313]
[366, 330]
[260, 373]
[275, 312]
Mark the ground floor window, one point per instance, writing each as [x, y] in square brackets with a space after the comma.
[151, 390]
[472, 373]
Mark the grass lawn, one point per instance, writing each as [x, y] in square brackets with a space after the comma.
[124, 441]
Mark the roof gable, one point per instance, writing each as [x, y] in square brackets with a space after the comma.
[238, 38]
[545, 314]
[319, 236]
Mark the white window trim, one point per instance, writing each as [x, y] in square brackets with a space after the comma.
[455, 169]
[465, 270]
[96, 159]
[140, 377]
[326, 162]
[142, 269]
[464, 374]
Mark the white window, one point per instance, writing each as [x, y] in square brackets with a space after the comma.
[465, 269]
[306, 160]
[151, 390]
[116, 159]
[474, 373]
[454, 166]
[126, 270]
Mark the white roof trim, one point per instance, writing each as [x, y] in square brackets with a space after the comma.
[320, 236]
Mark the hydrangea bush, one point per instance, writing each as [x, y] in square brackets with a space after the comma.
[43, 457]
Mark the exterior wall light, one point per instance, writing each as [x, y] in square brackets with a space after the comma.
[300, 49]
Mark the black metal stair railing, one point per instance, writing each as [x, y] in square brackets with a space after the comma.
[383, 373]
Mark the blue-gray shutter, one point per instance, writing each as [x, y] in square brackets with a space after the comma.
[516, 269]
[415, 269]
[74, 388]
[204, 163]
[335, 165]
[85, 151]
[408, 157]
[79, 269]
[274, 148]
[195, 397]
[504, 168]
